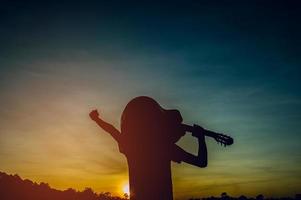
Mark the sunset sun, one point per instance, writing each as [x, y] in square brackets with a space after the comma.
[126, 189]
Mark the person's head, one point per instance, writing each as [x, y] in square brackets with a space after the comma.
[173, 128]
[144, 119]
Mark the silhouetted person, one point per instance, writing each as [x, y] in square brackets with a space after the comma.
[147, 139]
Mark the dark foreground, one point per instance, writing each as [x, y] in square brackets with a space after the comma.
[12, 187]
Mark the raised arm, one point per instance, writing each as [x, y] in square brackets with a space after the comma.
[201, 159]
[94, 115]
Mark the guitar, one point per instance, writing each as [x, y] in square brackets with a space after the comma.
[219, 137]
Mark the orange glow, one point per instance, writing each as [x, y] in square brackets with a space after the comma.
[126, 189]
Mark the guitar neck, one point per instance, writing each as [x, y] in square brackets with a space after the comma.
[206, 132]
[219, 137]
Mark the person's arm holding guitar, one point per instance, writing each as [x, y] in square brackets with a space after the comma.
[201, 159]
[199, 132]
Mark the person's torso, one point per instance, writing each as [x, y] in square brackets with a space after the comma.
[149, 171]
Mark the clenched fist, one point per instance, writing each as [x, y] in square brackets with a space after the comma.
[94, 115]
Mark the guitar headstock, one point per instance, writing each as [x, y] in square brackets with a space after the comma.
[223, 139]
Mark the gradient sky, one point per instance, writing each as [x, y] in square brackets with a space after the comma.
[231, 67]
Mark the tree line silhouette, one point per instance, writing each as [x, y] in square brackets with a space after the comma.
[225, 196]
[12, 187]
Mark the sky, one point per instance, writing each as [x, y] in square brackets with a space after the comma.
[230, 66]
